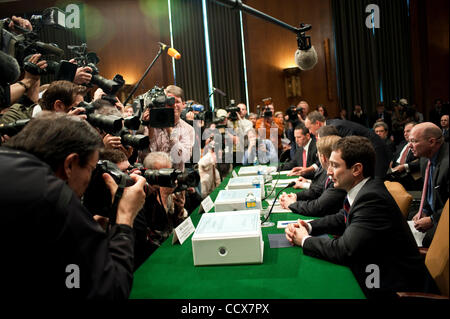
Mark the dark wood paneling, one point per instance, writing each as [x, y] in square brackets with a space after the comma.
[270, 49]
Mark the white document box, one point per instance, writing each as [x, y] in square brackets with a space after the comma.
[228, 238]
[253, 170]
[244, 182]
[234, 199]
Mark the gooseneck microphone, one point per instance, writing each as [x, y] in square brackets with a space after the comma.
[275, 199]
[170, 51]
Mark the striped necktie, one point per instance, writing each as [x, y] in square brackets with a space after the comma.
[346, 208]
[425, 188]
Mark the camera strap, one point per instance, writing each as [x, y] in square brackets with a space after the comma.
[120, 187]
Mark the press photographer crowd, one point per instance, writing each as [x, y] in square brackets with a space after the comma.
[91, 183]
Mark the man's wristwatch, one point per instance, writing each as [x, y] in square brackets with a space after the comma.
[24, 85]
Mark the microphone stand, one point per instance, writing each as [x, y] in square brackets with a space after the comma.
[145, 74]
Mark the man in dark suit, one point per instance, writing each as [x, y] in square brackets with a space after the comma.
[405, 167]
[321, 198]
[428, 143]
[374, 238]
[315, 120]
[305, 162]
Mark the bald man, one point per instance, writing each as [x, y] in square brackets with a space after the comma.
[427, 143]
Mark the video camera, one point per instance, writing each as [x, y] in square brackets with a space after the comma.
[90, 59]
[267, 101]
[64, 70]
[97, 197]
[200, 113]
[157, 101]
[27, 43]
[293, 113]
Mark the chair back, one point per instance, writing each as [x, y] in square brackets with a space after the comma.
[436, 259]
[400, 195]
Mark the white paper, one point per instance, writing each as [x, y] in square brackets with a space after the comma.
[207, 204]
[418, 236]
[281, 173]
[183, 231]
[284, 223]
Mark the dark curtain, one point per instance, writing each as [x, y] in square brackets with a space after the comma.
[188, 38]
[365, 58]
[394, 50]
[226, 54]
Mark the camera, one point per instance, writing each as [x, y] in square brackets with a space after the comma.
[156, 100]
[90, 59]
[110, 124]
[137, 141]
[97, 198]
[170, 177]
[13, 128]
[200, 113]
[267, 112]
[292, 112]
[64, 70]
[27, 43]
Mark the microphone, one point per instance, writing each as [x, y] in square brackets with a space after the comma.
[9, 68]
[219, 91]
[275, 199]
[170, 51]
[306, 59]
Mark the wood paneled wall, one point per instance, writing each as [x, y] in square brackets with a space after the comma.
[127, 32]
[270, 49]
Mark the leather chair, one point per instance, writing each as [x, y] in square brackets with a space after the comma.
[436, 259]
[400, 195]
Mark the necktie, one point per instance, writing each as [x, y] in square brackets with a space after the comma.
[346, 208]
[405, 154]
[425, 188]
[304, 158]
[327, 182]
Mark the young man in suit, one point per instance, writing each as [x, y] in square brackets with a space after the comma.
[321, 198]
[428, 143]
[305, 162]
[374, 238]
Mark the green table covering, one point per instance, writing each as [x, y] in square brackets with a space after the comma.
[286, 273]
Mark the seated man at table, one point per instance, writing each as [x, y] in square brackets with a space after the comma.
[374, 238]
[322, 199]
[305, 162]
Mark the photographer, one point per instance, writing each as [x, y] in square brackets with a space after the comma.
[260, 149]
[269, 123]
[24, 94]
[176, 141]
[162, 212]
[53, 245]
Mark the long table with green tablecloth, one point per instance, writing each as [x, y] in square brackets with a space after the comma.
[286, 273]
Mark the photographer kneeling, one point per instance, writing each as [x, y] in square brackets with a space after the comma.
[54, 247]
[162, 212]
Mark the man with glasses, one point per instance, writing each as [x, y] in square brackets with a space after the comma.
[427, 143]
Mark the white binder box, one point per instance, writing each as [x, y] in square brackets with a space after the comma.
[228, 238]
[256, 170]
[234, 199]
[244, 182]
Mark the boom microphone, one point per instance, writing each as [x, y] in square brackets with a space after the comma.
[170, 51]
[9, 68]
[306, 59]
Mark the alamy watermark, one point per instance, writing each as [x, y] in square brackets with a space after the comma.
[373, 19]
